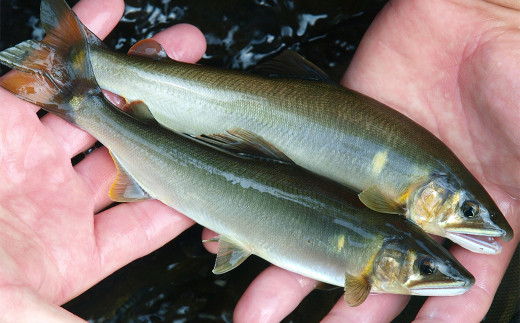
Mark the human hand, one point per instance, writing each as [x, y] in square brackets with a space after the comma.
[281, 289]
[56, 239]
[452, 66]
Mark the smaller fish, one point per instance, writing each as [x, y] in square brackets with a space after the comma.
[290, 217]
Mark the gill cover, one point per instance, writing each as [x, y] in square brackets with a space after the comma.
[439, 207]
[414, 267]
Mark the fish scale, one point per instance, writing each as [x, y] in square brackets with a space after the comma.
[323, 127]
[295, 219]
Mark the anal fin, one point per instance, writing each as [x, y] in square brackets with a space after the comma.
[125, 188]
[230, 254]
[245, 144]
[376, 200]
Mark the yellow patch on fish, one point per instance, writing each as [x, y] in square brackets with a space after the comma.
[379, 161]
[403, 199]
[341, 242]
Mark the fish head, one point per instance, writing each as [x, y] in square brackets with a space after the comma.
[443, 209]
[418, 267]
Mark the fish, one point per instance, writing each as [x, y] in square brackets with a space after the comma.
[287, 110]
[282, 213]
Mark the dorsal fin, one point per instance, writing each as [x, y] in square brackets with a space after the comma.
[230, 254]
[290, 64]
[148, 48]
[125, 188]
[245, 144]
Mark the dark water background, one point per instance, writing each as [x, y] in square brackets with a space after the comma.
[175, 283]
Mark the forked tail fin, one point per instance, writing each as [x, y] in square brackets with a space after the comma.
[55, 70]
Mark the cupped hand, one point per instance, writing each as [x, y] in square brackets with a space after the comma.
[452, 66]
[56, 239]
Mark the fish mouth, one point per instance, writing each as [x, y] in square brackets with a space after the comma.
[440, 291]
[488, 229]
[477, 238]
[484, 244]
[444, 288]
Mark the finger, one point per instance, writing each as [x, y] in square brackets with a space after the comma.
[100, 16]
[183, 42]
[131, 230]
[98, 171]
[26, 305]
[474, 304]
[73, 140]
[376, 308]
[276, 292]
[273, 295]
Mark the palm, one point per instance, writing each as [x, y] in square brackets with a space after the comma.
[451, 68]
[55, 242]
[42, 196]
[49, 207]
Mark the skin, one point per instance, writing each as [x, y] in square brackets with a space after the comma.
[452, 84]
[50, 257]
[449, 82]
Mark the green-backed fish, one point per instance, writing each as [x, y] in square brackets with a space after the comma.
[282, 213]
[396, 165]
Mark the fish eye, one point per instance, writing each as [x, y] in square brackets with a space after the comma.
[427, 266]
[469, 209]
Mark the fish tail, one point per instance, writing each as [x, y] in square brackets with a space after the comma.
[56, 70]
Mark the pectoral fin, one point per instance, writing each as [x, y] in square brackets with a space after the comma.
[148, 48]
[356, 289]
[230, 254]
[125, 188]
[246, 144]
[378, 201]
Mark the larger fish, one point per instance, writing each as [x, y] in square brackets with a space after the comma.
[398, 166]
[281, 213]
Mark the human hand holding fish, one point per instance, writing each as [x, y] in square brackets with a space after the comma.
[160, 227]
[452, 67]
[49, 257]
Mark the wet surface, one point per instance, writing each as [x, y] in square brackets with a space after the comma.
[239, 33]
[175, 283]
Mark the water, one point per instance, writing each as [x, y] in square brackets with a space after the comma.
[239, 33]
[175, 283]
